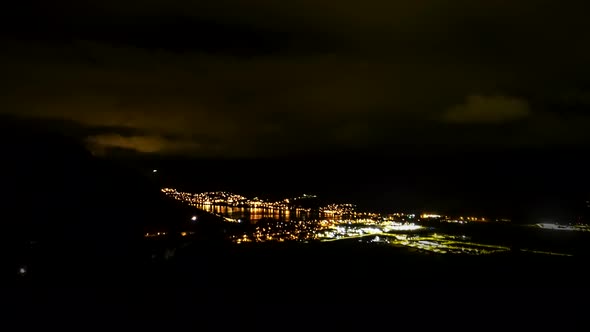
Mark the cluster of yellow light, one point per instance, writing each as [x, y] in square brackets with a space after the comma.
[460, 220]
[154, 234]
[443, 244]
[429, 216]
[338, 209]
[345, 230]
[325, 229]
[226, 198]
[474, 218]
[281, 231]
[235, 200]
[229, 199]
[399, 215]
[436, 243]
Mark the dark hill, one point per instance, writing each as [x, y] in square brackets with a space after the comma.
[66, 213]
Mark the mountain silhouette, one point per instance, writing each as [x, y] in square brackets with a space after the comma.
[68, 215]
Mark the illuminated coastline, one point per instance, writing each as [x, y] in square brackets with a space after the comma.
[284, 221]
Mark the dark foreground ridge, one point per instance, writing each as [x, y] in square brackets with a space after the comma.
[212, 288]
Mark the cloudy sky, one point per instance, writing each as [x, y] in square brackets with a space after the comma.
[264, 77]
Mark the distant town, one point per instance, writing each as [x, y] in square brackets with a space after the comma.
[297, 219]
[302, 203]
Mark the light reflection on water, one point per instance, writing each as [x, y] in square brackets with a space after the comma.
[255, 214]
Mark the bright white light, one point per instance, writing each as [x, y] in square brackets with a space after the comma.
[406, 227]
[557, 227]
[194, 218]
[22, 271]
[155, 171]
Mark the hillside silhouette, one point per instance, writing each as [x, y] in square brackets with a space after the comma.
[68, 215]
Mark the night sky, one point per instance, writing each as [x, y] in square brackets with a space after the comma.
[371, 80]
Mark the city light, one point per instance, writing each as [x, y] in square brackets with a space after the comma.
[221, 198]
[340, 222]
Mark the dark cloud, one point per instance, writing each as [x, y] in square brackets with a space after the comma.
[496, 109]
[264, 77]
